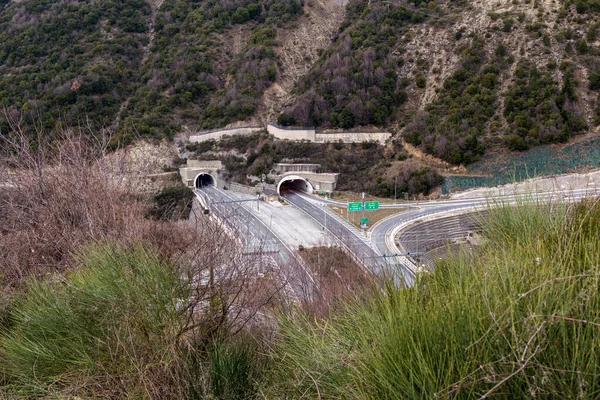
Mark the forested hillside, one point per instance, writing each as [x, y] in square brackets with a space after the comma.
[455, 78]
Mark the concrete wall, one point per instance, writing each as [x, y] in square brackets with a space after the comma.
[310, 134]
[296, 134]
[292, 133]
[219, 133]
[281, 168]
[319, 181]
[352, 137]
[212, 164]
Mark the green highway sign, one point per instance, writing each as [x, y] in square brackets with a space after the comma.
[364, 221]
[372, 205]
[355, 206]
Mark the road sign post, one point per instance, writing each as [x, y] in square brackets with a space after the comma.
[325, 212]
[363, 204]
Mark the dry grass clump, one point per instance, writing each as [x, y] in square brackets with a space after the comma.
[59, 195]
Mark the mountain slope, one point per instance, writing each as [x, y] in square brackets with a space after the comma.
[456, 78]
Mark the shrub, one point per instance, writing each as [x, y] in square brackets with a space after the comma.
[172, 203]
[594, 79]
[420, 81]
[115, 316]
[286, 119]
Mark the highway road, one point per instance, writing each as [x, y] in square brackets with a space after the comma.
[256, 237]
[352, 239]
[383, 234]
[379, 253]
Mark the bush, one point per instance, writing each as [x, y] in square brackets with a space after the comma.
[286, 119]
[172, 203]
[594, 79]
[420, 81]
[116, 315]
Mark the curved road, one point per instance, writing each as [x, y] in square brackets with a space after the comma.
[386, 255]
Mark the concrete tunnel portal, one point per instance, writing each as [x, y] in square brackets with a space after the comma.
[294, 182]
[204, 179]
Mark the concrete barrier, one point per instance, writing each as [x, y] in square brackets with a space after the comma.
[310, 134]
[293, 133]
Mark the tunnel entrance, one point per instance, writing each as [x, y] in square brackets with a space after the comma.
[294, 183]
[203, 180]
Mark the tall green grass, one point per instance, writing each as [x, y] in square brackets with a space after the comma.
[116, 328]
[106, 329]
[519, 318]
[224, 369]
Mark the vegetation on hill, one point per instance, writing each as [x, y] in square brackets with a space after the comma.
[457, 78]
[452, 127]
[362, 166]
[537, 112]
[355, 82]
[81, 63]
[195, 79]
[69, 61]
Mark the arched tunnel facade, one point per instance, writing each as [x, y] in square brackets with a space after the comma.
[294, 182]
[204, 179]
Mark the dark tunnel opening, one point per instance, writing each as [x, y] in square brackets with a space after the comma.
[296, 184]
[203, 180]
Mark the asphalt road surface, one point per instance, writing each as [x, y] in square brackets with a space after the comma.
[348, 236]
[380, 255]
[256, 237]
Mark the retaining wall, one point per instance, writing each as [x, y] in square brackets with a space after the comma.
[212, 164]
[292, 133]
[352, 137]
[295, 134]
[219, 133]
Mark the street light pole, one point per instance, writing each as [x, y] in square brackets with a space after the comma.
[395, 186]
[325, 211]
